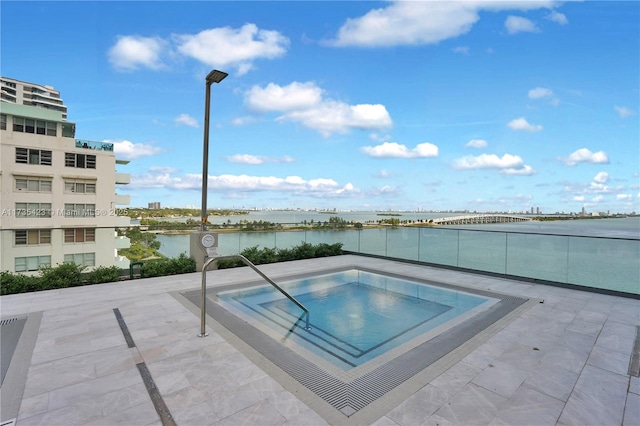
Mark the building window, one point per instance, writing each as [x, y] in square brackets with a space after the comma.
[81, 259]
[68, 130]
[79, 235]
[52, 128]
[80, 186]
[33, 184]
[32, 237]
[79, 210]
[33, 156]
[29, 125]
[33, 209]
[3, 121]
[31, 263]
[18, 124]
[81, 161]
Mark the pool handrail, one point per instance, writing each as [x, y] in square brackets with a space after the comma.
[203, 306]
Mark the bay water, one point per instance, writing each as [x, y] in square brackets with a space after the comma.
[602, 253]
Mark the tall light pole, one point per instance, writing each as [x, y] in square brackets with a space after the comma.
[214, 76]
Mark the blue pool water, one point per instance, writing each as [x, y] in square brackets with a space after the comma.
[355, 316]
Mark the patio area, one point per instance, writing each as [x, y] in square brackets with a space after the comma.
[568, 357]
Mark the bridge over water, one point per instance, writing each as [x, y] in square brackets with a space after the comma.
[480, 218]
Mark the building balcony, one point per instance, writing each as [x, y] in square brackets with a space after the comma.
[123, 242]
[123, 178]
[121, 262]
[100, 146]
[123, 200]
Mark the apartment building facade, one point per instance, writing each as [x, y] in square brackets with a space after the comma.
[58, 200]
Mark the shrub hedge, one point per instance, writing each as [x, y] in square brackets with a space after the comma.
[71, 275]
[272, 255]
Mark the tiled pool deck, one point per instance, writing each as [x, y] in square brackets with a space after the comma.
[561, 362]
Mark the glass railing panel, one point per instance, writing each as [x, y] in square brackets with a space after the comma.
[403, 243]
[485, 251]
[260, 239]
[228, 243]
[289, 239]
[349, 239]
[439, 246]
[606, 263]
[373, 241]
[538, 256]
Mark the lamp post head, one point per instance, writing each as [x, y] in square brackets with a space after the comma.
[215, 76]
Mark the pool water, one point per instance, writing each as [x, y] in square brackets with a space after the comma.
[354, 316]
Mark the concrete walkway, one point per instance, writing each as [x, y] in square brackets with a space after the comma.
[562, 362]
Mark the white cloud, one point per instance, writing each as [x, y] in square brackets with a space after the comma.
[304, 103]
[226, 46]
[507, 164]
[186, 120]
[133, 52]
[558, 18]
[420, 22]
[540, 92]
[579, 198]
[602, 177]
[216, 47]
[518, 24]
[257, 159]
[396, 150]
[383, 174]
[463, 50]
[522, 124]
[624, 197]
[273, 97]
[128, 150]
[233, 186]
[584, 155]
[624, 112]
[477, 143]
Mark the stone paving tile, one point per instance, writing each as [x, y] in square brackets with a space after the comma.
[617, 336]
[609, 360]
[530, 407]
[632, 411]
[98, 387]
[553, 381]
[484, 355]
[419, 406]
[456, 378]
[501, 378]
[598, 399]
[474, 405]
[260, 413]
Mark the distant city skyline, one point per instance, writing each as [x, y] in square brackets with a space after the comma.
[440, 106]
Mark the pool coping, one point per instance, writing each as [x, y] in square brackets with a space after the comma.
[365, 397]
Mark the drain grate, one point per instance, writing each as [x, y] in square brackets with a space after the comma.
[9, 338]
[351, 396]
[634, 363]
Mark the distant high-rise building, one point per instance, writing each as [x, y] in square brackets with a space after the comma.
[538, 210]
[31, 94]
[59, 196]
[155, 205]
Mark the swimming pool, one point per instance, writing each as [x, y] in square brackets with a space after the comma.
[430, 330]
[354, 315]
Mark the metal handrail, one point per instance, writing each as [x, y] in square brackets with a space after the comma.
[203, 306]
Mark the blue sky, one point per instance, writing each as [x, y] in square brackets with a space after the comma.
[481, 106]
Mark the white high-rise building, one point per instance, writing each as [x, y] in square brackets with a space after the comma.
[23, 93]
[58, 200]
